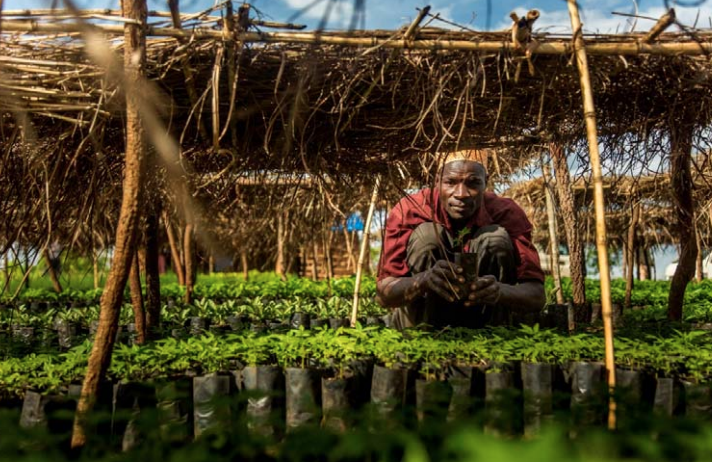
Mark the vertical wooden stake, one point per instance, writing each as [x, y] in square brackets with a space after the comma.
[364, 251]
[153, 280]
[589, 113]
[630, 250]
[127, 228]
[553, 234]
[188, 251]
[175, 254]
[137, 300]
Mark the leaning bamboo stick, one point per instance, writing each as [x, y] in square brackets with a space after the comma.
[633, 47]
[589, 112]
[663, 23]
[363, 251]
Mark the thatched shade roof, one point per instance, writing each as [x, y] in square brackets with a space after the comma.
[339, 106]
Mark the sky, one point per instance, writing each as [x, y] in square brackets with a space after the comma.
[475, 14]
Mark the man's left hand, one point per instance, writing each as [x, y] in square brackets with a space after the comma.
[485, 289]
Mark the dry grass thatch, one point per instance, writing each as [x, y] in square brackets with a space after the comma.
[339, 107]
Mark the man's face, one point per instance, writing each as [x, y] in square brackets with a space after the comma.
[462, 187]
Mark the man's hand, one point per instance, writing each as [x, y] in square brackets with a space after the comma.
[485, 289]
[444, 279]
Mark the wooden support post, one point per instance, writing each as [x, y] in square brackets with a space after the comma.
[137, 300]
[630, 250]
[663, 23]
[572, 224]
[175, 253]
[127, 228]
[243, 263]
[349, 248]
[52, 269]
[682, 129]
[280, 264]
[698, 260]
[153, 280]
[365, 250]
[189, 260]
[589, 113]
[553, 234]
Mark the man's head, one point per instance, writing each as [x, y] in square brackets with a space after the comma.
[461, 183]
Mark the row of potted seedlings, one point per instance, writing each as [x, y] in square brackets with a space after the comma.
[514, 381]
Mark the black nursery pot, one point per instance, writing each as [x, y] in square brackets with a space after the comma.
[698, 400]
[337, 402]
[558, 316]
[236, 323]
[300, 320]
[23, 335]
[53, 412]
[335, 323]
[667, 396]
[432, 399]
[133, 404]
[199, 325]
[388, 393]
[303, 397]
[468, 262]
[66, 333]
[174, 400]
[537, 380]
[468, 392]
[588, 394]
[264, 386]
[503, 414]
[316, 323]
[361, 372]
[212, 411]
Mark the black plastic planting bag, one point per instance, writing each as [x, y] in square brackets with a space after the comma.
[588, 393]
[557, 316]
[502, 404]
[264, 386]
[211, 403]
[667, 396]
[174, 403]
[199, 325]
[23, 335]
[388, 393]
[236, 323]
[51, 412]
[134, 409]
[537, 380]
[361, 371]
[34, 413]
[66, 333]
[303, 397]
[698, 400]
[432, 399]
[300, 320]
[335, 323]
[337, 402]
[468, 392]
[316, 323]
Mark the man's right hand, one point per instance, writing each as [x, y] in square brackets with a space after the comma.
[445, 279]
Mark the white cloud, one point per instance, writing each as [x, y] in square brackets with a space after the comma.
[602, 21]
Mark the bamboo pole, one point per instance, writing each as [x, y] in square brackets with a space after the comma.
[553, 234]
[364, 251]
[663, 23]
[589, 112]
[633, 47]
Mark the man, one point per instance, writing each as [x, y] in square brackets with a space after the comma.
[417, 275]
